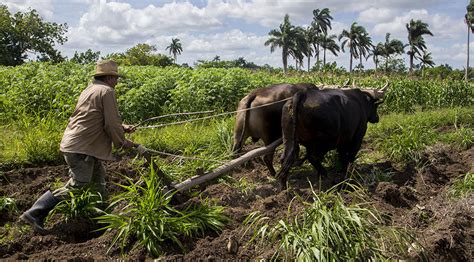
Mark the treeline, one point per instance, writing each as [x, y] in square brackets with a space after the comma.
[45, 89]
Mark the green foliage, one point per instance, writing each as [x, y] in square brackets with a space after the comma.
[402, 137]
[146, 215]
[82, 203]
[8, 205]
[28, 32]
[141, 54]
[462, 186]
[87, 57]
[329, 229]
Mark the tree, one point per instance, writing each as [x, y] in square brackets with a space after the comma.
[416, 30]
[469, 19]
[87, 57]
[351, 41]
[321, 22]
[175, 48]
[364, 44]
[328, 43]
[141, 54]
[309, 35]
[391, 47]
[425, 60]
[378, 51]
[285, 38]
[300, 48]
[216, 59]
[24, 34]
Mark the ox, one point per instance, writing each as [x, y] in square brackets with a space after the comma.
[323, 120]
[263, 122]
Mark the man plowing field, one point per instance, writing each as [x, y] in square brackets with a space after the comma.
[92, 129]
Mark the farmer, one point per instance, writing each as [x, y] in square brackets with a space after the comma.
[87, 141]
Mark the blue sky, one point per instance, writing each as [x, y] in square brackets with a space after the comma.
[239, 28]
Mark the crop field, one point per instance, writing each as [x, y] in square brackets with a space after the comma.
[408, 196]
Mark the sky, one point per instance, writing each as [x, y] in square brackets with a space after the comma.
[239, 28]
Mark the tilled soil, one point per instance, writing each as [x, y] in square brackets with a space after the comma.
[415, 196]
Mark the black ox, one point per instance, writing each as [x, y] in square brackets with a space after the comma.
[323, 120]
[259, 116]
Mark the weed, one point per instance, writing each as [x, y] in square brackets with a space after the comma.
[329, 229]
[8, 205]
[462, 186]
[146, 214]
[82, 203]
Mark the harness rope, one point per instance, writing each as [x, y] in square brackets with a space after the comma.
[208, 117]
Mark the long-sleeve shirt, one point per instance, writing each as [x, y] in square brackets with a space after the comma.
[95, 123]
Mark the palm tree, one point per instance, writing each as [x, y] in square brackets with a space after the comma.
[469, 18]
[364, 44]
[284, 37]
[378, 51]
[351, 38]
[426, 60]
[321, 22]
[416, 30]
[216, 58]
[328, 43]
[391, 47]
[310, 38]
[175, 48]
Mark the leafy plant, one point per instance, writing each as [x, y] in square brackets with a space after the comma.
[8, 205]
[329, 229]
[82, 203]
[463, 186]
[144, 213]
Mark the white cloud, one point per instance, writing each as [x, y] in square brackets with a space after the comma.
[44, 7]
[376, 15]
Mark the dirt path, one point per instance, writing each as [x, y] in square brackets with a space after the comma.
[414, 197]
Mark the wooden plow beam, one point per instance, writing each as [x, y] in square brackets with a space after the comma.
[200, 179]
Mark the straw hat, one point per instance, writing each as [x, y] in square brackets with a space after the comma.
[106, 68]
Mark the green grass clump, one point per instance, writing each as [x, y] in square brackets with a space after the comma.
[203, 146]
[329, 229]
[82, 203]
[144, 213]
[463, 186]
[8, 205]
[403, 137]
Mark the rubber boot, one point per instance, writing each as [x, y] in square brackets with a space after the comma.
[37, 213]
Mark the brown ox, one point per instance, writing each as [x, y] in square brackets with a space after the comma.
[264, 122]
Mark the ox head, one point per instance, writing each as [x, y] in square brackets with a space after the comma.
[375, 97]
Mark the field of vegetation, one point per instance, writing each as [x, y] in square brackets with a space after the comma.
[409, 196]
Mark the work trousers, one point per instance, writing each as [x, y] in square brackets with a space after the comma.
[84, 170]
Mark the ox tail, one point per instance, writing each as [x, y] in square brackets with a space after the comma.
[241, 124]
[289, 123]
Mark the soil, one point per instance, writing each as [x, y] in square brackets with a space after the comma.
[415, 196]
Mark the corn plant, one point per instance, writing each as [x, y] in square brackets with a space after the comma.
[329, 229]
[144, 212]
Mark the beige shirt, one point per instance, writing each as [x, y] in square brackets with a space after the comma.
[95, 123]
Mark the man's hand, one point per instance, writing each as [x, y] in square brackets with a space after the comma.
[127, 144]
[128, 128]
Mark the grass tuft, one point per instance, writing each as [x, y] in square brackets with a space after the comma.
[329, 229]
[143, 212]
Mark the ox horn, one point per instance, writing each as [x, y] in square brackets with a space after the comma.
[347, 82]
[385, 87]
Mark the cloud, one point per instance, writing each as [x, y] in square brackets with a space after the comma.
[376, 15]
[44, 7]
[441, 25]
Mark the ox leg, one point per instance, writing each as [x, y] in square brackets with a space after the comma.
[315, 158]
[348, 155]
[268, 159]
